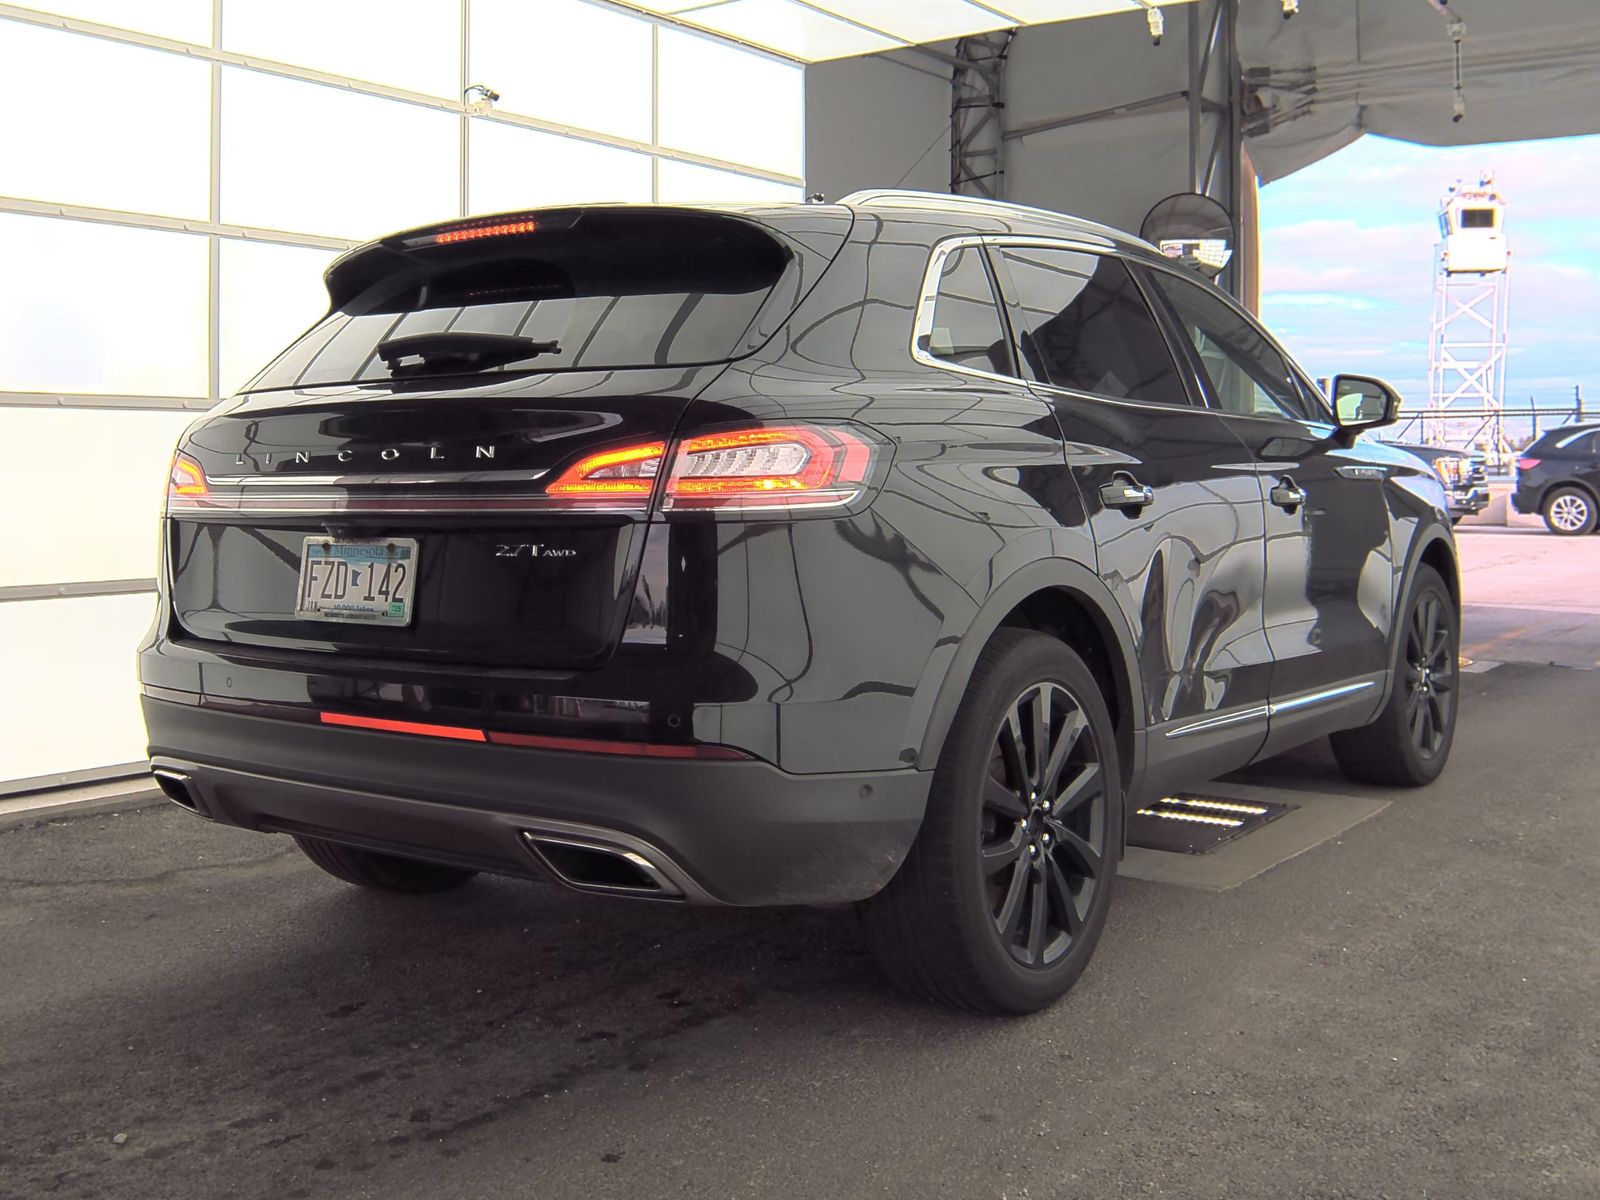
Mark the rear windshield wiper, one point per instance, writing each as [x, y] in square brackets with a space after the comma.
[460, 350]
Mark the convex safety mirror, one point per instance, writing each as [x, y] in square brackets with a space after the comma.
[1193, 229]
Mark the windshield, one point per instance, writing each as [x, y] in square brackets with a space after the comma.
[670, 289]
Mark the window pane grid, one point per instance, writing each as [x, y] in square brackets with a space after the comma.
[164, 233]
[774, 158]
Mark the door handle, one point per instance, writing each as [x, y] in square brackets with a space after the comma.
[1287, 495]
[1127, 493]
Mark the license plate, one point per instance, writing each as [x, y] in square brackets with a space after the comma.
[366, 580]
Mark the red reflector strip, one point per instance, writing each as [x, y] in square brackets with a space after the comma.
[417, 727]
[484, 231]
[537, 741]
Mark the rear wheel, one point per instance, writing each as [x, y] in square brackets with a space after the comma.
[1000, 903]
[382, 872]
[1409, 742]
[1569, 512]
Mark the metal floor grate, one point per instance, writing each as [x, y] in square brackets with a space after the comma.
[1190, 824]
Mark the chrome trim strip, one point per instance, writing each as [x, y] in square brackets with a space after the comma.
[1323, 697]
[1262, 711]
[1259, 713]
[376, 480]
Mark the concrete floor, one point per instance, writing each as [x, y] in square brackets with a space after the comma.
[1530, 596]
[1407, 1010]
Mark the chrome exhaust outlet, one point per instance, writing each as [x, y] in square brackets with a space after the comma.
[614, 864]
[175, 786]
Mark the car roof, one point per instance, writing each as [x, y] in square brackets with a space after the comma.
[998, 215]
[1558, 437]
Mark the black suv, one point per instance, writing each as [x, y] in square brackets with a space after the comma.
[1558, 477]
[889, 552]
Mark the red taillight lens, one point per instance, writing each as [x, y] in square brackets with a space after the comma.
[779, 466]
[1527, 464]
[186, 483]
[622, 478]
[770, 467]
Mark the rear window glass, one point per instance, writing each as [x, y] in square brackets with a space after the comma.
[651, 291]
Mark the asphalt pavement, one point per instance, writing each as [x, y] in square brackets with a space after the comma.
[1407, 1010]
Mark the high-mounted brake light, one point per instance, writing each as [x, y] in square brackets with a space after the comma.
[770, 467]
[186, 483]
[473, 232]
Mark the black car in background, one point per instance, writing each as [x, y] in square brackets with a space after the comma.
[889, 552]
[1465, 477]
[1558, 477]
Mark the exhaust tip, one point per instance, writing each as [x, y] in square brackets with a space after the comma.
[596, 867]
[175, 785]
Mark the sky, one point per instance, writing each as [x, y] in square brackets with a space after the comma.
[1347, 254]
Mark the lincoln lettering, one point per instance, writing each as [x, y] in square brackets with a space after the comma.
[388, 454]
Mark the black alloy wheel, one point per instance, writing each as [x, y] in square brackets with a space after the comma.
[1408, 743]
[1430, 676]
[1002, 898]
[1042, 847]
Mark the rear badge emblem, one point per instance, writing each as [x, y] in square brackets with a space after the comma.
[531, 550]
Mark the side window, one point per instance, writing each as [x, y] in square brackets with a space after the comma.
[1082, 324]
[1248, 376]
[966, 329]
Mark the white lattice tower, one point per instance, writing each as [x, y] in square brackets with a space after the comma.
[1471, 297]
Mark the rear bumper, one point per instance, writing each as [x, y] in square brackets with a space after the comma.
[741, 833]
[1526, 499]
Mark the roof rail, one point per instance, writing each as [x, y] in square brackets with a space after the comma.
[907, 198]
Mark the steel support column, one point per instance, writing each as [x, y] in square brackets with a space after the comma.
[978, 115]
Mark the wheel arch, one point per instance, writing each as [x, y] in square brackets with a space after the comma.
[1437, 551]
[1068, 601]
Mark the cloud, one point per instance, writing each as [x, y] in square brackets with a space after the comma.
[1348, 255]
[1318, 300]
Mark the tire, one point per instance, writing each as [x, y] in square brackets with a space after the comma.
[999, 904]
[382, 872]
[1409, 742]
[1569, 512]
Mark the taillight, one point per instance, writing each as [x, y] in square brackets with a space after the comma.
[771, 467]
[186, 483]
[1527, 464]
[779, 466]
[622, 478]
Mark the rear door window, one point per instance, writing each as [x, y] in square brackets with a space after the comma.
[1082, 324]
[966, 329]
[679, 289]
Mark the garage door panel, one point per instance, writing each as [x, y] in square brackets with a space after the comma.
[84, 503]
[71, 698]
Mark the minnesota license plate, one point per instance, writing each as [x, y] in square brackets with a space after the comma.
[348, 579]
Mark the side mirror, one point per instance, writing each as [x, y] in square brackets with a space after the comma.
[1361, 402]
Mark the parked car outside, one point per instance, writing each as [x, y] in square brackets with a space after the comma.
[1465, 478]
[1558, 477]
[888, 552]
